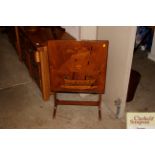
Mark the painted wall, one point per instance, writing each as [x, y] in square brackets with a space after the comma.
[88, 33]
[152, 54]
[82, 32]
[121, 45]
[73, 30]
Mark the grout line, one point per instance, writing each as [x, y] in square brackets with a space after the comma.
[15, 85]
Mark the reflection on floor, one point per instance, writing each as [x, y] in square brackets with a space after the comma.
[144, 100]
[21, 104]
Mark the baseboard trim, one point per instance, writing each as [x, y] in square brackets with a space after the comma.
[151, 57]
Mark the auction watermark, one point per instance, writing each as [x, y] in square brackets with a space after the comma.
[140, 120]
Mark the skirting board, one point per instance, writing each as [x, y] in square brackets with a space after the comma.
[151, 57]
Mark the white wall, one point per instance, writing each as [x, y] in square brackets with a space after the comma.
[88, 33]
[121, 45]
[73, 30]
[152, 54]
[82, 32]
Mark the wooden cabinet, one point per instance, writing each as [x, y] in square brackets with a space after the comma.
[27, 53]
[31, 44]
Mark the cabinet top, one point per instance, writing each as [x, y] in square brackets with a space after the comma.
[39, 35]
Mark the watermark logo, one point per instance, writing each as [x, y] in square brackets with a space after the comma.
[140, 120]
